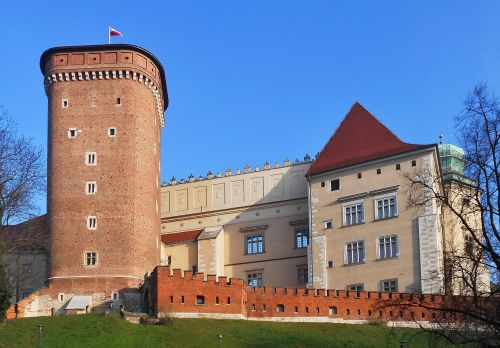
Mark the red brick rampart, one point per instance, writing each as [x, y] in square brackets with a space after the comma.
[177, 292]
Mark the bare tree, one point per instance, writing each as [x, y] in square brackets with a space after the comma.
[466, 192]
[22, 178]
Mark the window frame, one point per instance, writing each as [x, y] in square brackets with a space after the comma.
[359, 259]
[382, 198]
[255, 235]
[87, 187]
[86, 256]
[115, 131]
[383, 287]
[350, 205]
[88, 157]
[379, 249]
[302, 274]
[305, 238]
[90, 226]
[355, 287]
[331, 185]
[255, 276]
[72, 130]
[325, 224]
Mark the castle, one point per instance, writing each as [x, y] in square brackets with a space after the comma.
[336, 222]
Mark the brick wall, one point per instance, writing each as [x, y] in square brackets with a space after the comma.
[176, 292]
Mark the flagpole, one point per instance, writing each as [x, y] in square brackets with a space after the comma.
[109, 35]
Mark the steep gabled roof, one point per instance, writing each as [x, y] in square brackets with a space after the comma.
[359, 138]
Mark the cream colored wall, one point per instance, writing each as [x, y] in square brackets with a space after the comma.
[329, 244]
[454, 236]
[272, 197]
[184, 255]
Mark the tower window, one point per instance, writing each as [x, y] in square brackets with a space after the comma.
[92, 222]
[112, 132]
[115, 295]
[359, 175]
[91, 158]
[398, 166]
[91, 258]
[65, 103]
[91, 187]
[414, 163]
[379, 171]
[118, 101]
[72, 132]
[335, 185]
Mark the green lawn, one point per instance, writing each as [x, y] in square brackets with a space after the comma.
[99, 330]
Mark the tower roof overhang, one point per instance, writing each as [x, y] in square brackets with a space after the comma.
[60, 49]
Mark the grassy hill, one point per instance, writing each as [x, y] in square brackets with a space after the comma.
[100, 330]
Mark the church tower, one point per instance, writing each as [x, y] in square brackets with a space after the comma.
[105, 111]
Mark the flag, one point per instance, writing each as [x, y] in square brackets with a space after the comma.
[114, 32]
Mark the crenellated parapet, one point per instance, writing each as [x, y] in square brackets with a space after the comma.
[106, 62]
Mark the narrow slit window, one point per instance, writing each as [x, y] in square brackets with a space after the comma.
[398, 166]
[91, 222]
[91, 187]
[112, 132]
[91, 158]
[65, 103]
[118, 101]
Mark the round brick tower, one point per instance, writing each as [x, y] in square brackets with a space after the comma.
[106, 105]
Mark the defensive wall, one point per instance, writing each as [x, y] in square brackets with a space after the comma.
[184, 294]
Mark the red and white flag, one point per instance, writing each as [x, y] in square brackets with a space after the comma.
[113, 32]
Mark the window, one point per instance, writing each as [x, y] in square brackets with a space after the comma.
[91, 187]
[280, 308]
[91, 258]
[354, 252]
[388, 247]
[302, 275]
[254, 279]
[91, 222]
[322, 184]
[385, 207]
[301, 238]
[115, 295]
[398, 166]
[379, 171]
[217, 300]
[72, 132]
[355, 287]
[333, 310]
[112, 132]
[414, 163]
[389, 285]
[200, 300]
[255, 244]
[61, 296]
[65, 103]
[354, 214]
[328, 224]
[27, 268]
[194, 269]
[469, 245]
[90, 158]
[118, 101]
[359, 175]
[335, 185]
[330, 264]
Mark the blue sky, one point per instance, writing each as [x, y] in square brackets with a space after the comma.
[256, 81]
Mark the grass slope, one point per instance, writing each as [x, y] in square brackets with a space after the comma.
[99, 330]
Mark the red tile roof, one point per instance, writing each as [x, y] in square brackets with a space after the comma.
[359, 138]
[180, 237]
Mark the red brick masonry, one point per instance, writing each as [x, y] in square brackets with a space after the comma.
[183, 292]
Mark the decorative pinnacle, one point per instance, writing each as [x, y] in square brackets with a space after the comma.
[173, 181]
[267, 165]
[247, 169]
[307, 158]
[276, 165]
[287, 162]
[441, 136]
[228, 172]
[191, 178]
[238, 171]
[210, 175]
